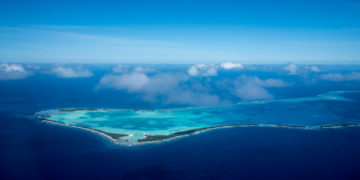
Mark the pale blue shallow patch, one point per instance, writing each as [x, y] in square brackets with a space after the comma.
[322, 110]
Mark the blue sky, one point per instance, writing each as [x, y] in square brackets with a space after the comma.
[180, 31]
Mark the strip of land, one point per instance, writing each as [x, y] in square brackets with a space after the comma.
[117, 138]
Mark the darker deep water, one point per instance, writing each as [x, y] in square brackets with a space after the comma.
[30, 149]
[34, 150]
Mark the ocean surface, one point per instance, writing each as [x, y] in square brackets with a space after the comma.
[32, 149]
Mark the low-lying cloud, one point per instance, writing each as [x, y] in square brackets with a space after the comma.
[230, 65]
[202, 70]
[165, 87]
[120, 69]
[138, 69]
[212, 69]
[71, 72]
[145, 70]
[254, 88]
[354, 76]
[13, 71]
[314, 69]
[292, 69]
[131, 82]
[180, 88]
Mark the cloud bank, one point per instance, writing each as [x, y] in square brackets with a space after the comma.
[164, 87]
[212, 69]
[131, 82]
[230, 65]
[13, 71]
[138, 69]
[314, 69]
[202, 70]
[354, 76]
[120, 69]
[253, 88]
[180, 88]
[70, 72]
[292, 69]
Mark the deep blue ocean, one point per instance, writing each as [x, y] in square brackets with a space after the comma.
[31, 149]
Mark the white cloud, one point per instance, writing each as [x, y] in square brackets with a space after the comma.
[140, 69]
[202, 70]
[164, 87]
[252, 88]
[32, 67]
[250, 91]
[354, 76]
[132, 82]
[312, 69]
[292, 69]
[100, 39]
[230, 65]
[120, 69]
[69, 72]
[12, 72]
[270, 82]
[172, 88]
[315, 69]
[162, 83]
[12, 68]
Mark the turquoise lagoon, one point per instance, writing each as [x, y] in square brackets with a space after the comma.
[131, 126]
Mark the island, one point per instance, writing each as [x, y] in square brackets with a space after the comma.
[141, 126]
